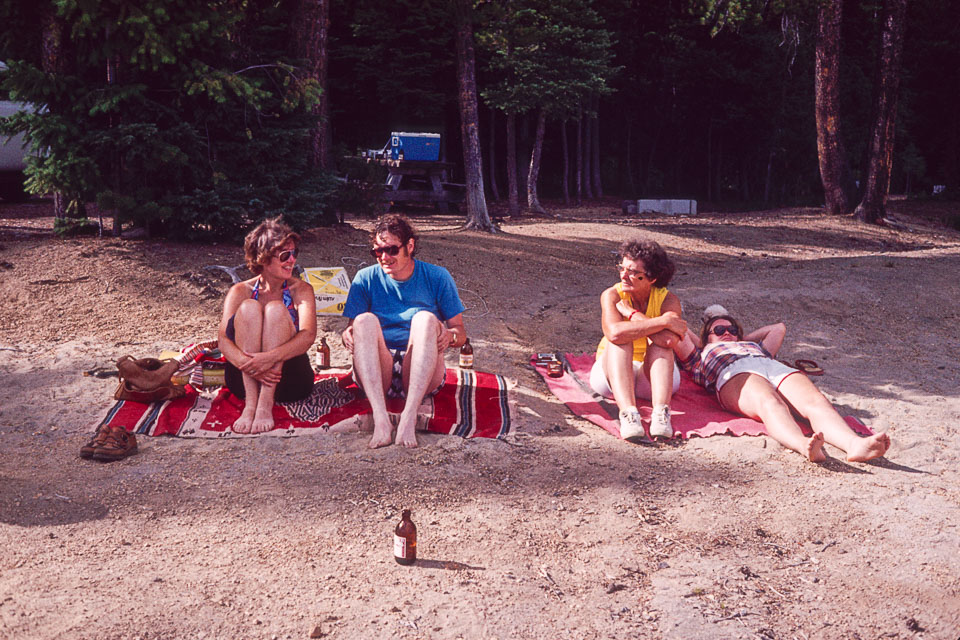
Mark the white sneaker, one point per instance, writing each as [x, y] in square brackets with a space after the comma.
[631, 428]
[660, 426]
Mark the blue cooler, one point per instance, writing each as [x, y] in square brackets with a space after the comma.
[422, 147]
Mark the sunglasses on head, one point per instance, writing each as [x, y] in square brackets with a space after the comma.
[390, 250]
[726, 328]
[283, 256]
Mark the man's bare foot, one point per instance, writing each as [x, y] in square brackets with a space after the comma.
[863, 449]
[382, 436]
[407, 436]
[262, 423]
[244, 423]
[815, 448]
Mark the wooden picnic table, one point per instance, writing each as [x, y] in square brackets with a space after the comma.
[418, 181]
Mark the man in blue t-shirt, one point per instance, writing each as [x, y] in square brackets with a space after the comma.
[404, 314]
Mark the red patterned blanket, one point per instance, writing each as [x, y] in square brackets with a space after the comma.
[471, 404]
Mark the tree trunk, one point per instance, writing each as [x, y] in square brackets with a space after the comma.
[477, 215]
[834, 172]
[310, 24]
[586, 152]
[595, 149]
[533, 199]
[565, 150]
[882, 133]
[513, 197]
[579, 150]
[491, 155]
[628, 163]
[56, 58]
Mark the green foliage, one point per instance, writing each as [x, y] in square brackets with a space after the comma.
[188, 117]
[549, 54]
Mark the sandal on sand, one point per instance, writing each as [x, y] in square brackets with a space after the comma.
[809, 367]
[118, 444]
[86, 451]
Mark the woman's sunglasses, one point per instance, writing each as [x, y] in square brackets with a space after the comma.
[390, 250]
[283, 256]
[726, 328]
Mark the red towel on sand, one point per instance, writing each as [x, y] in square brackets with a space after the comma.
[694, 411]
[471, 404]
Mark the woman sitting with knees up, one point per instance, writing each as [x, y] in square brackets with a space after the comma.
[641, 327]
[269, 322]
[750, 382]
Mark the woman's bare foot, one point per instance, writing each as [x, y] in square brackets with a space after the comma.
[262, 422]
[244, 423]
[815, 448]
[863, 449]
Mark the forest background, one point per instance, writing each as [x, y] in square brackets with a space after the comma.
[198, 119]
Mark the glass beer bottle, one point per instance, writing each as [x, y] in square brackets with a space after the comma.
[405, 540]
[466, 355]
[323, 354]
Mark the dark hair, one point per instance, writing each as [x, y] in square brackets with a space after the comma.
[656, 263]
[397, 225]
[261, 243]
[705, 333]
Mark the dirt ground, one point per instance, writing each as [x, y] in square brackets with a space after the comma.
[561, 531]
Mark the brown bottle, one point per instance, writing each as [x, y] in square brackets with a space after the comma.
[405, 540]
[466, 355]
[323, 354]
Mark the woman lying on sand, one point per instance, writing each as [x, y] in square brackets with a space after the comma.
[750, 382]
[269, 322]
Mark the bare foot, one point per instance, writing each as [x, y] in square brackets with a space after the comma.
[863, 449]
[244, 423]
[262, 423]
[815, 448]
[382, 435]
[407, 436]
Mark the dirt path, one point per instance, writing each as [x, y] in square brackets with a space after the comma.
[560, 532]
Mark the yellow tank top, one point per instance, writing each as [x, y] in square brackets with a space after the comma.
[657, 295]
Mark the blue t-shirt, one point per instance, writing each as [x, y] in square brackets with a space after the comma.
[430, 288]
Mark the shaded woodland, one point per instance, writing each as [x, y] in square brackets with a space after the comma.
[240, 110]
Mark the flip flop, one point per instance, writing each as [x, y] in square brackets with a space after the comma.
[809, 367]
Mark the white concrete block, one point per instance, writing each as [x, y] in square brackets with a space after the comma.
[669, 207]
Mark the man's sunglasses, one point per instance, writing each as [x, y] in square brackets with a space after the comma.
[283, 256]
[727, 328]
[390, 250]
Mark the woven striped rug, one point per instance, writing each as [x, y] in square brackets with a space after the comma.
[471, 404]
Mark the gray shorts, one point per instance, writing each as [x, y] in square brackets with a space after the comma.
[775, 372]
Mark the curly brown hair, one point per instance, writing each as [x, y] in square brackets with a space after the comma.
[656, 262]
[264, 240]
[398, 225]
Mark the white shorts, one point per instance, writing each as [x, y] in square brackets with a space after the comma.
[775, 372]
[641, 385]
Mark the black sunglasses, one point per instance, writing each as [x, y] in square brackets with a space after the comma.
[727, 328]
[390, 250]
[283, 256]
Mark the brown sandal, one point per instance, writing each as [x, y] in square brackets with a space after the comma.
[809, 367]
[98, 439]
[118, 445]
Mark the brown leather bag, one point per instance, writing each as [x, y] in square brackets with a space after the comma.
[126, 391]
[147, 380]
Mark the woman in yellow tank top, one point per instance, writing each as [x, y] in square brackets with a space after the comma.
[641, 327]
